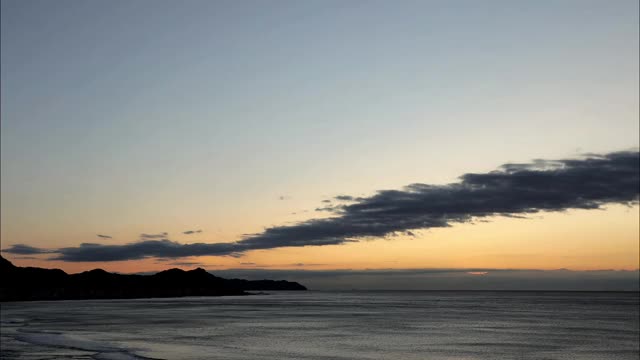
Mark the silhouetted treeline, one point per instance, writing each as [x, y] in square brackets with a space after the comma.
[31, 283]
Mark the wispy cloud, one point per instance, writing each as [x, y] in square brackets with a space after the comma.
[191, 232]
[345, 198]
[512, 190]
[104, 236]
[162, 235]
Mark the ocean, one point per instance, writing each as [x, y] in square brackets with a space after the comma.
[329, 325]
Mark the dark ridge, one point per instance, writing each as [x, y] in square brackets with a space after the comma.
[31, 283]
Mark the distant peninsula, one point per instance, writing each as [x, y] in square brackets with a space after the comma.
[32, 283]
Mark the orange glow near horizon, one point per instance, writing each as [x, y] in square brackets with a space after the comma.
[575, 240]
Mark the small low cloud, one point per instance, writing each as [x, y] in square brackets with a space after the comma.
[162, 235]
[104, 236]
[344, 198]
[326, 208]
[191, 232]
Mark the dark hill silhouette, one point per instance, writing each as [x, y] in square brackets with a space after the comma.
[30, 283]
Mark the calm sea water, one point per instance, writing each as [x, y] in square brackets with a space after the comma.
[329, 325]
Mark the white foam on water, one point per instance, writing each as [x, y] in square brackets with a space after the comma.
[64, 341]
[103, 350]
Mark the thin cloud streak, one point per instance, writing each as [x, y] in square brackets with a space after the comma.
[191, 232]
[162, 235]
[513, 190]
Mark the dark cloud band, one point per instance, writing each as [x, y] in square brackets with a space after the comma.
[21, 249]
[512, 190]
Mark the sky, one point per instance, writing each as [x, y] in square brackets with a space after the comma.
[322, 136]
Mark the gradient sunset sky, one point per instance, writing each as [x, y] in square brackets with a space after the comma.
[279, 123]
